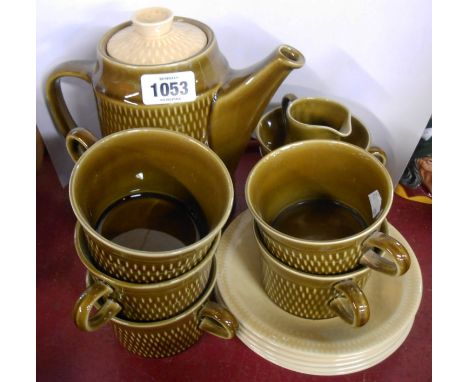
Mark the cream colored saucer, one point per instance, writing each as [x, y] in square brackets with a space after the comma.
[333, 367]
[321, 347]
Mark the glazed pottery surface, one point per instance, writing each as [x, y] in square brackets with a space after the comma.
[136, 302]
[314, 118]
[315, 296]
[139, 161]
[169, 337]
[317, 347]
[203, 97]
[271, 129]
[326, 170]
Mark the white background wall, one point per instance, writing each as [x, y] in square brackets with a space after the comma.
[375, 56]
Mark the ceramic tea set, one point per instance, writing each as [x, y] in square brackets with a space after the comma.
[153, 196]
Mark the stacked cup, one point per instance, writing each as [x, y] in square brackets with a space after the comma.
[150, 205]
[319, 209]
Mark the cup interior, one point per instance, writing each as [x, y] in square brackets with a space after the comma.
[150, 161]
[316, 170]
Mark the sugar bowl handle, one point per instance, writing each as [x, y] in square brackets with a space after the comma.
[353, 308]
[85, 303]
[78, 140]
[217, 320]
[399, 261]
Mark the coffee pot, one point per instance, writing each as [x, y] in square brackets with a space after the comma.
[160, 70]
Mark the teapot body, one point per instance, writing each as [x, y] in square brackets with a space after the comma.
[199, 95]
[119, 93]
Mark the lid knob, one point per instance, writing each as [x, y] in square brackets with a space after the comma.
[153, 22]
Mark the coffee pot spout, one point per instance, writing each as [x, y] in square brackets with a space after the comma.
[240, 101]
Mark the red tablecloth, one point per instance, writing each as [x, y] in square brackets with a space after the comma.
[66, 354]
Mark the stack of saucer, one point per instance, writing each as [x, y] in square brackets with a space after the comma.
[319, 347]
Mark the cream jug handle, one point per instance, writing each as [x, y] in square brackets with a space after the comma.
[54, 97]
[286, 100]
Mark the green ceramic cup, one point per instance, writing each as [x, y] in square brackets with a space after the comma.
[335, 176]
[138, 162]
[169, 337]
[136, 302]
[315, 296]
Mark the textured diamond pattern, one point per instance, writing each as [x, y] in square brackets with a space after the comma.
[154, 307]
[158, 342]
[326, 262]
[302, 299]
[149, 270]
[190, 118]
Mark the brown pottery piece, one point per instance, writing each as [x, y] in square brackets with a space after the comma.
[271, 134]
[136, 302]
[164, 165]
[337, 196]
[314, 118]
[172, 336]
[313, 296]
[195, 92]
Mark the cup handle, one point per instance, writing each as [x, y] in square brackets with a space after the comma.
[217, 320]
[400, 258]
[379, 154]
[353, 307]
[78, 140]
[85, 303]
[54, 97]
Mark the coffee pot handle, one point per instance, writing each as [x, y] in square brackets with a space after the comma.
[217, 320]
[85, 303]
[54, 96]
[353, 308]
[77, 141]
[400, 258]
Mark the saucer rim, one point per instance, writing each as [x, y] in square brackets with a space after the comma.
[332, 367]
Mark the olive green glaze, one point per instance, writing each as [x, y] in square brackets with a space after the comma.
[314, 118]
[228, 106]
[136, 302]
[324, 169]
[77, 141]
[139, 161]
[172, 336]
[313, 296]
[271, 132]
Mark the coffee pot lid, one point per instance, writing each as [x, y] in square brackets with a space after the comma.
[155, 38]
